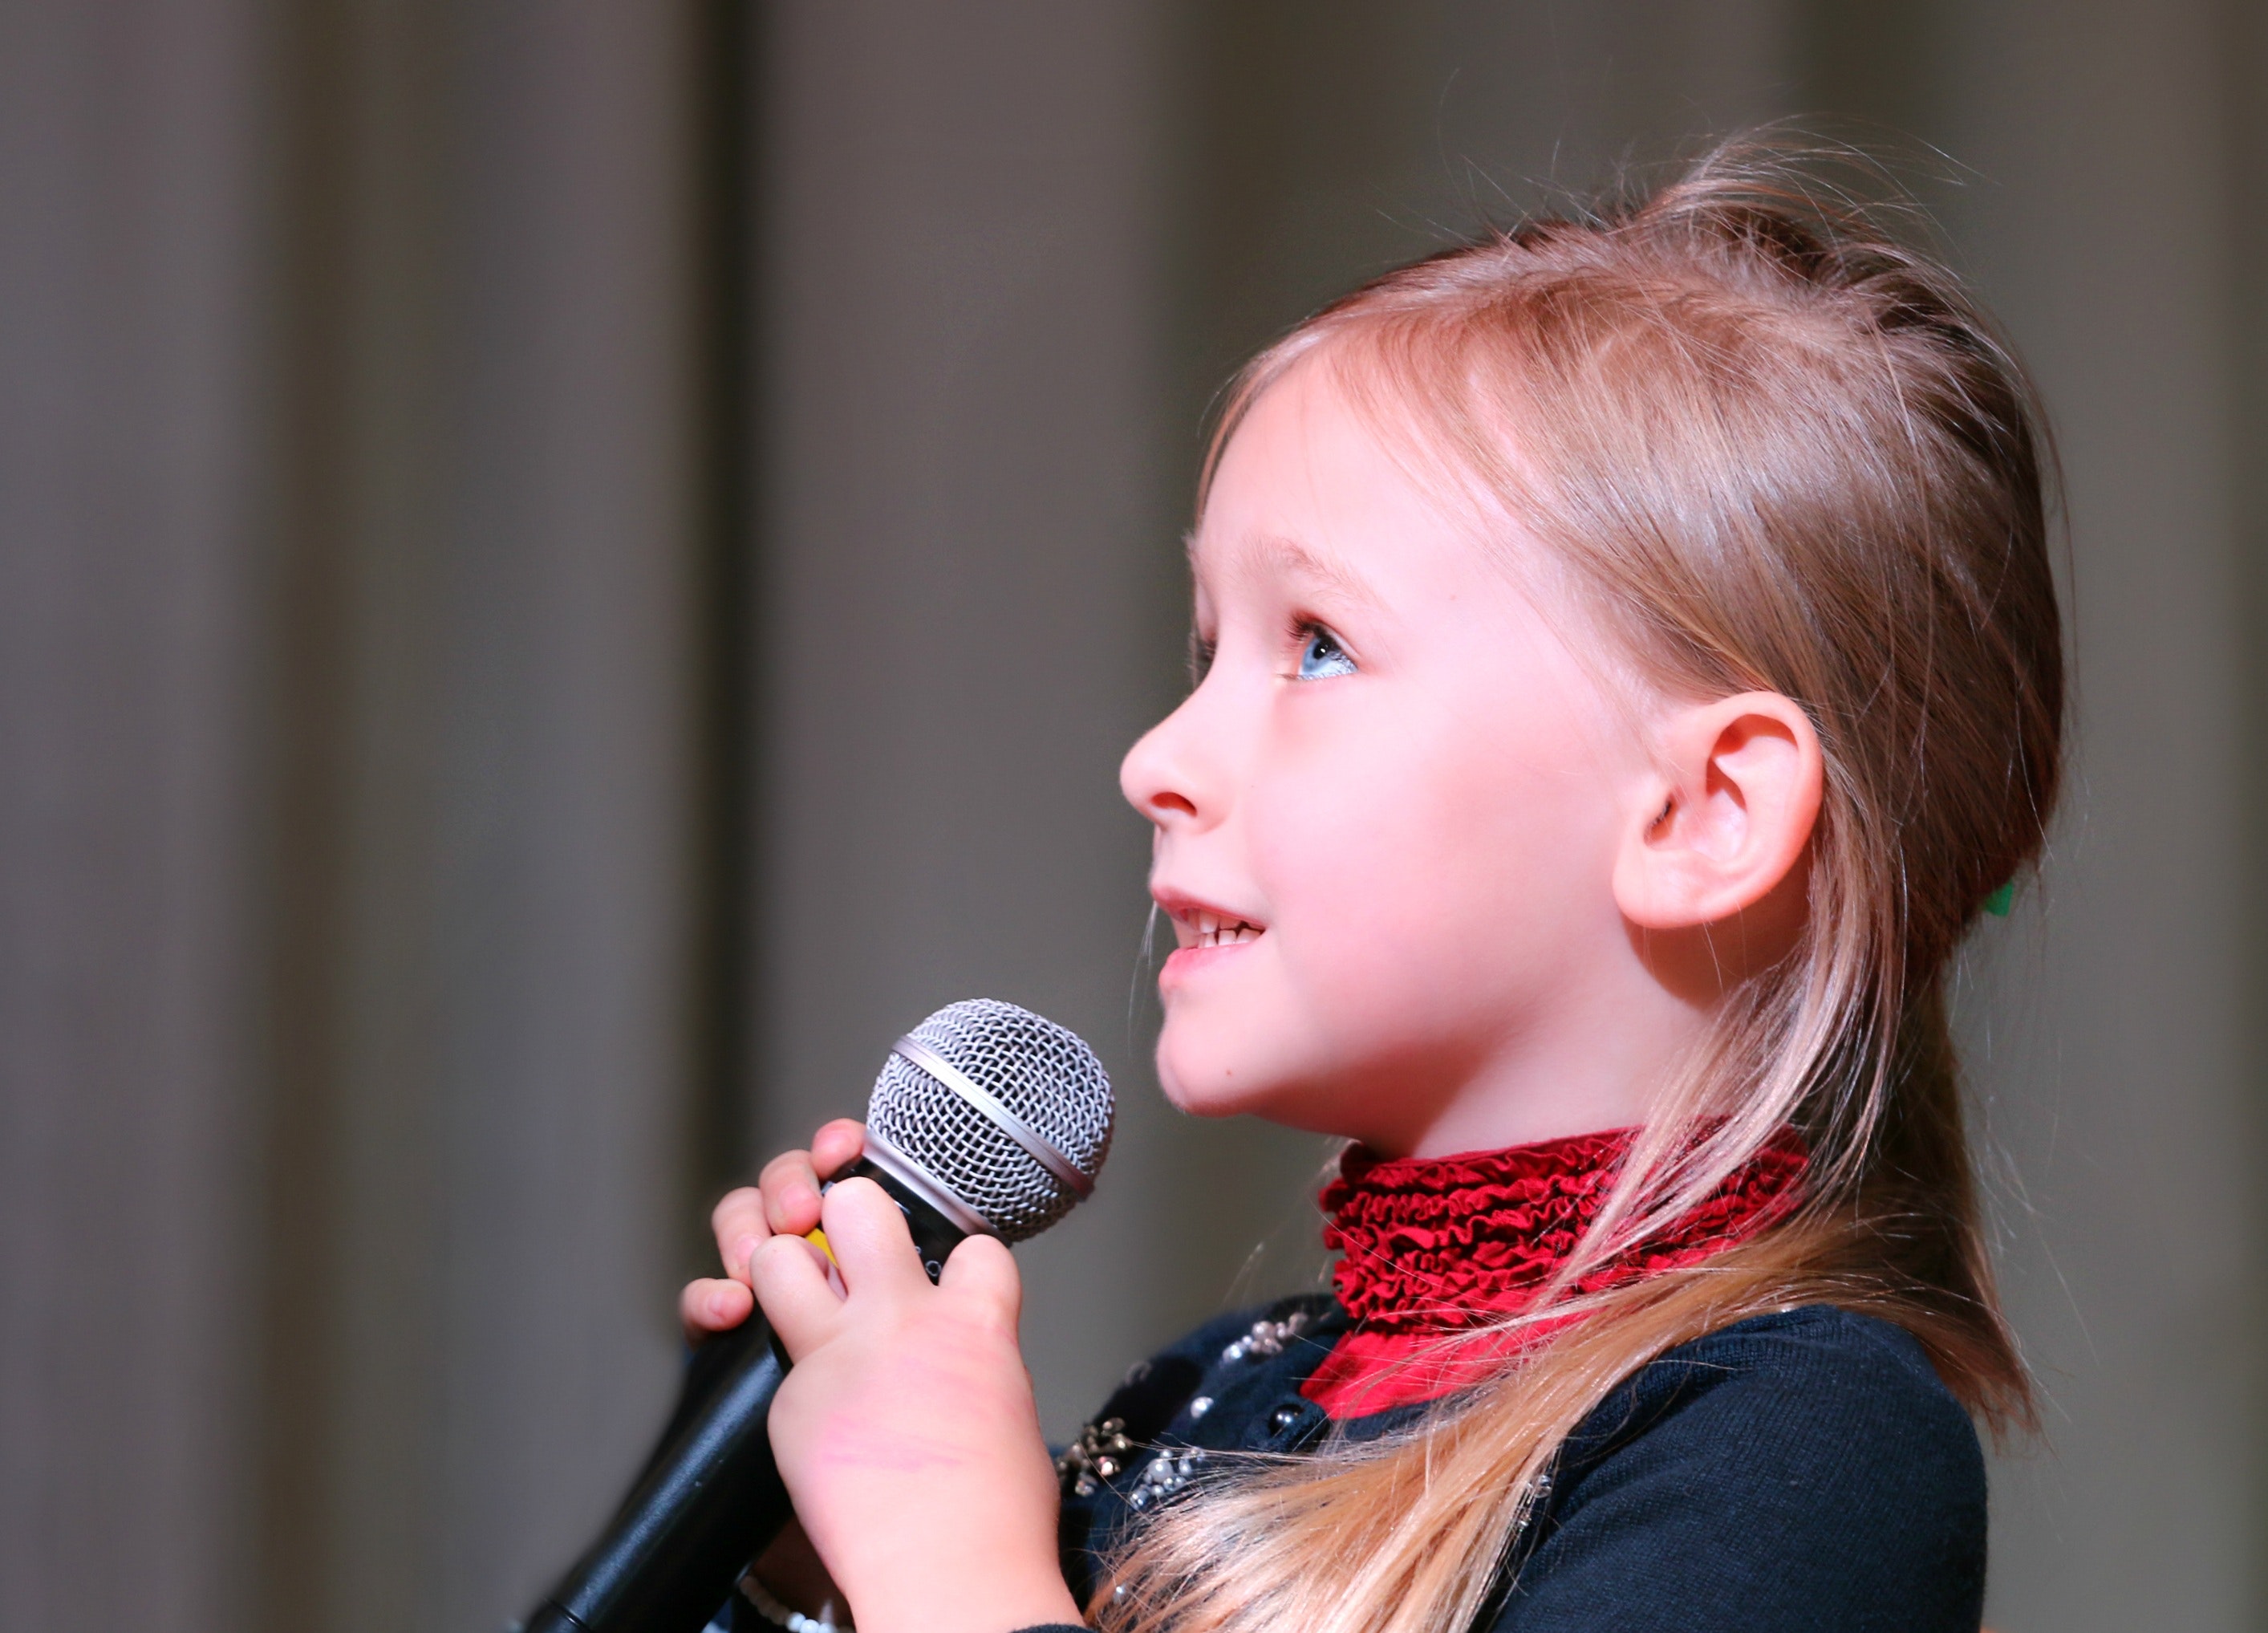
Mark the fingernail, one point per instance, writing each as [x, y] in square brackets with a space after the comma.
[744, 1253]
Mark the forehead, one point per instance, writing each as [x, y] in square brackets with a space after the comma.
[1258, 559]
[1307, 492]
[1314, 504]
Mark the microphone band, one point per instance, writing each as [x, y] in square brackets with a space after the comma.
[918, 1054]
[927, 1186]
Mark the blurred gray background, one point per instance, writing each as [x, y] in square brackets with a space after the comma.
[569, 568]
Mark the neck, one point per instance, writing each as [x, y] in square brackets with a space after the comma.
[1593, 1056]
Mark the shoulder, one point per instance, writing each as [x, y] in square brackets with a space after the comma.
[1808, 1375]
[1801, 1469]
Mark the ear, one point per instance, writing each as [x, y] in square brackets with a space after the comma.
[1726, 815]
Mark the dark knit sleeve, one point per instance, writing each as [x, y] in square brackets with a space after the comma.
[1801, 1471]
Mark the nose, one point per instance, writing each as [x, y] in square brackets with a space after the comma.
[1163, 776]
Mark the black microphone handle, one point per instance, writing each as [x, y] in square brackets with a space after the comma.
[709, 1499]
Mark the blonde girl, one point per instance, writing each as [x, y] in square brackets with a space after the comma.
[1628, 660]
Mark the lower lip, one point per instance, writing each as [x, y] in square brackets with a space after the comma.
[1185, 963]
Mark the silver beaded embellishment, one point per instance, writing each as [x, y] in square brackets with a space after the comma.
[1164, 1474]
[1267, 1337]
[780, 1615]
[1199, 1407]
[1100, 1451]
[1538, 1493]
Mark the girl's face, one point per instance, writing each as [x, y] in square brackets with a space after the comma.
[1386, 817]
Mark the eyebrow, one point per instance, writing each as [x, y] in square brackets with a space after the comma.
[1291, 556]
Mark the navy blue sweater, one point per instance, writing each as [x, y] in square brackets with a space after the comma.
[1799, 1471]
[1804, 1470]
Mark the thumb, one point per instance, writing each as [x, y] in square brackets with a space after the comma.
[790, 1278]
[983, 1271]
[866, 1233]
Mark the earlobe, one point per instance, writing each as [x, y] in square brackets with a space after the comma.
[1726, 815]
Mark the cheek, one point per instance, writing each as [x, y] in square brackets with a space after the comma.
[1445, 873]
[1428, 885]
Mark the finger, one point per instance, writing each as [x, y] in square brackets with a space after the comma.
[868, 1237]
[790, 1193]
[983, 1270]
[791, 1283]
[714, 1306]
[837, 1145]
[738, 1222]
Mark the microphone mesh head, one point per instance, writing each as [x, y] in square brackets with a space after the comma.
[1044, 1074]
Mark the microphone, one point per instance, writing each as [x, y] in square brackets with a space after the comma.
[986, 1118]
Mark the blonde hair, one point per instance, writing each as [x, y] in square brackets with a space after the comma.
[1774, 448]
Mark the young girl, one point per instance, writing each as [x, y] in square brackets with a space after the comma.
[1627, 660]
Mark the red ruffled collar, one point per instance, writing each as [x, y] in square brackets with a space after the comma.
[1429, 1248]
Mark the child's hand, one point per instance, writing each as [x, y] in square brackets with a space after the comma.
[906, 1430]
[784, 1201]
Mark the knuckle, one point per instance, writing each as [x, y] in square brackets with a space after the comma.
[784, 1166]
[775, 1255]
[768, 1250]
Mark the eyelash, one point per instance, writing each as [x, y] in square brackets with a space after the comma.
[1300, 630]
[1304, 632]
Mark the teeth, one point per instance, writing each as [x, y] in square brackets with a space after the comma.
[1213, 929]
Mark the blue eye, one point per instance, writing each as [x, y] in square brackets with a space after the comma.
[1322, 657]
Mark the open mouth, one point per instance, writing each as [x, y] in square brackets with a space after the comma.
[1203, 936]
[1201, 928]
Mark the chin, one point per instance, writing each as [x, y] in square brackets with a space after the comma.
[1206, 1082]
[1209, 1083]
[1207, 1096]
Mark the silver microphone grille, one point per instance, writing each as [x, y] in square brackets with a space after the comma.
[1043, 1076]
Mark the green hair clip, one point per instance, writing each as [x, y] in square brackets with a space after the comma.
[2001, 900]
